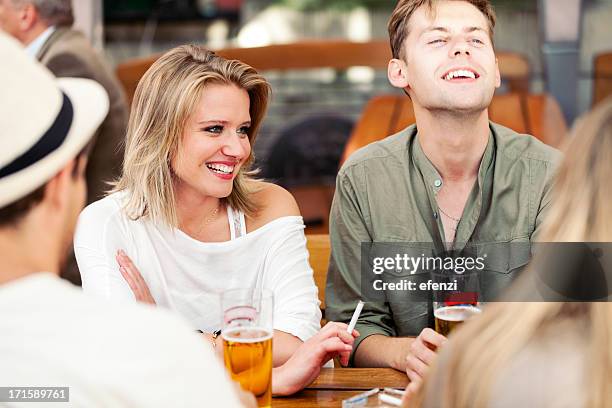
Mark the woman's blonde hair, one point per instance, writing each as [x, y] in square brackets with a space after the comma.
[581, 212]
[165, 98]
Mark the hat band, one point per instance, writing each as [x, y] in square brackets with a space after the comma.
[48, 143]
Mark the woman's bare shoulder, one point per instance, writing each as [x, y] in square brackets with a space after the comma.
[273, 202]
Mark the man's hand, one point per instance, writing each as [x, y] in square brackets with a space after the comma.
[421, 355]
[409, 393]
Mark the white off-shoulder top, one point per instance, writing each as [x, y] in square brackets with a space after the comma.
[187, 275]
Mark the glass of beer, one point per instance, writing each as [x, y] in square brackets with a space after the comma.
[247, 340]
[448, 317]
[455, 300]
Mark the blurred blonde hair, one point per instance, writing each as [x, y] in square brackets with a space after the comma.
[582, 206]
[165, 98]
[581, 212]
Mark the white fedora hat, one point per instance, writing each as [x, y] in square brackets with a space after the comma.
[44, 122]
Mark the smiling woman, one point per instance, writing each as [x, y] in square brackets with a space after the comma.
[189, 99]
[214, 145]
[187, 221]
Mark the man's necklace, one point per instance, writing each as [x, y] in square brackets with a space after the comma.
[452, 218]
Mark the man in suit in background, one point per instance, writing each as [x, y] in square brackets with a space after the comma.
[43, 27]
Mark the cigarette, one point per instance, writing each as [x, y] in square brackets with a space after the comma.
[359, 399]
[356, 314]
[388, 399]
[394, 391]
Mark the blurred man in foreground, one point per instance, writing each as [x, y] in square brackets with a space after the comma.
[52, 334]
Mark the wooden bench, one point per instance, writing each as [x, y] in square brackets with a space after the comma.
[336, 54]
[536, 114]
[602, 77]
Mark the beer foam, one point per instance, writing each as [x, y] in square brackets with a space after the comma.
[456, 313]
[232, 334]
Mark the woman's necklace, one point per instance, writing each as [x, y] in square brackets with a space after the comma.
[211, 217]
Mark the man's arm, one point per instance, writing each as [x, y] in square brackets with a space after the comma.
[348, 229]
[547, 195]
[411, 354]
[369, 352]
[377, 345]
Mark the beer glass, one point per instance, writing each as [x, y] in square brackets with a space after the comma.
[455, 299]
[247, 340]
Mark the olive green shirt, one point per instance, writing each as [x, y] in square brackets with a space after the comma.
[386, 192]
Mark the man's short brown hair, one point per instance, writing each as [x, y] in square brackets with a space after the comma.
[398, 23]
[13, 213]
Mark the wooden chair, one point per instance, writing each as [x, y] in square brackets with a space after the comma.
[536, 114]
[314, 202]
[514, 69]
[602, 77]
[337, 54]
[301, 55]
[319, 248]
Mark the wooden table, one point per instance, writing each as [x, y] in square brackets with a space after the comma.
[336, 384]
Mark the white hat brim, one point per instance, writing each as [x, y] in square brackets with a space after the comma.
[90, 106]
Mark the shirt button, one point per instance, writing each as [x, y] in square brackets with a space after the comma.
[438, 183]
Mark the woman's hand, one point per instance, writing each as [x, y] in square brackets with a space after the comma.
[305, 364]
[134, 279]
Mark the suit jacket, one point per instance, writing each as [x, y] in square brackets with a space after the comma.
[68, 53]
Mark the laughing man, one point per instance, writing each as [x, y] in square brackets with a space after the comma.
[453, 177]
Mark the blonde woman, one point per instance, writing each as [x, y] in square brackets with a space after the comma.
[187, 220]
[542, 354]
